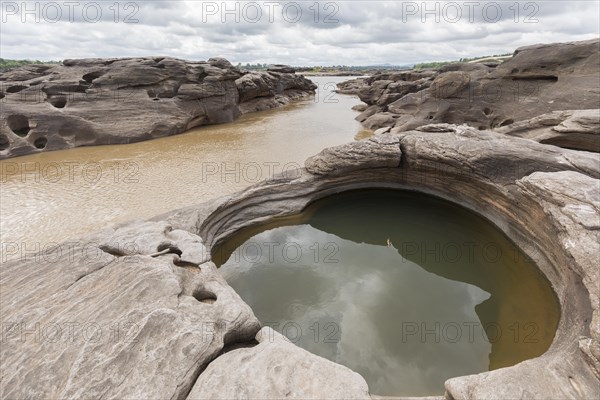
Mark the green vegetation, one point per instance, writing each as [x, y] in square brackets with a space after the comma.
[7, 64]
[438, 64]
[253, 67]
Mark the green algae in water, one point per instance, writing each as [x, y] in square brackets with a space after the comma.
[406, 289]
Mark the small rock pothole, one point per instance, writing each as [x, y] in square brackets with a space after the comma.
[40, 143]
[19, 124]
[15, 89]
[205, 296]
[58, 101]
[89, 77]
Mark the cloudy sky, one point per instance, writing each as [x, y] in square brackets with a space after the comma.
[298, 33]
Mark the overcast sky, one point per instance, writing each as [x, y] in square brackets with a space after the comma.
[298, 33]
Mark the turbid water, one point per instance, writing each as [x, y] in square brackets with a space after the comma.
[53, 196]
[406, 289]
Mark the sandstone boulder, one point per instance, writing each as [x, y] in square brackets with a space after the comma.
[277, 369]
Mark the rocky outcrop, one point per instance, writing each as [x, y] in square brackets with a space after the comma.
[537, 80]
[131, 312]
[184, 333]
[276, 87]
[112, 101]
[140, 311]
[277, 369]
[572, 129]
[543, 197]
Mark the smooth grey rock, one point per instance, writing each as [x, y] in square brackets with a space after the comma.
[276, 369]
[79, 322]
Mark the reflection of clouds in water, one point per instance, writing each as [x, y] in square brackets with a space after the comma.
[371, 295]
[478, 296]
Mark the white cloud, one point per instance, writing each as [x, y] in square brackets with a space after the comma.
[356, 32]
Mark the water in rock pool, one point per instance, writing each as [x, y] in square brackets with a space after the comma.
[90, 188]
[406, 289]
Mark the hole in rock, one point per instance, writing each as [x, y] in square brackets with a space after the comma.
[487, 111]
[205, 296]
[89, 77]
[168, 246]
[15, 89]
[2, 95]
[40, 143]
[482, 128]
[507, 122]
[19, 124]
[4, 143]
[58, 101]
[404, 288]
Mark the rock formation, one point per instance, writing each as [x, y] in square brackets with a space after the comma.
[184, 333]
[537, 80]
[113, 101]
[139, 311]
[277, 369]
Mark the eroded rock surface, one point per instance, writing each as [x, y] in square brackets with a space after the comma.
[543, 197]
[537, 80]
[277, 369]
[185, 332]
[79, 322]
[574, 129]
[112, 101]
[143, 312]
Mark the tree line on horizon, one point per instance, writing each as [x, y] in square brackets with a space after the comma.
[7, 64]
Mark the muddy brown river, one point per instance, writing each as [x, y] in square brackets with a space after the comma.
[51, 197]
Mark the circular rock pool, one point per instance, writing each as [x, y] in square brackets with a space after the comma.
[406, 289]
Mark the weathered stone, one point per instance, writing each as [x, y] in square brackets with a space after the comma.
[86, 323]
[277, 369]
[111, 101]
[375, 152]
[537, 80]
[543, 197]
[573, 129]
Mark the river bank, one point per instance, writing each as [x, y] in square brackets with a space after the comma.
[88, 102]
[89, 188]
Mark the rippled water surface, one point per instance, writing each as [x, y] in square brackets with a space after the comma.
[406, 289]
[53, 196]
